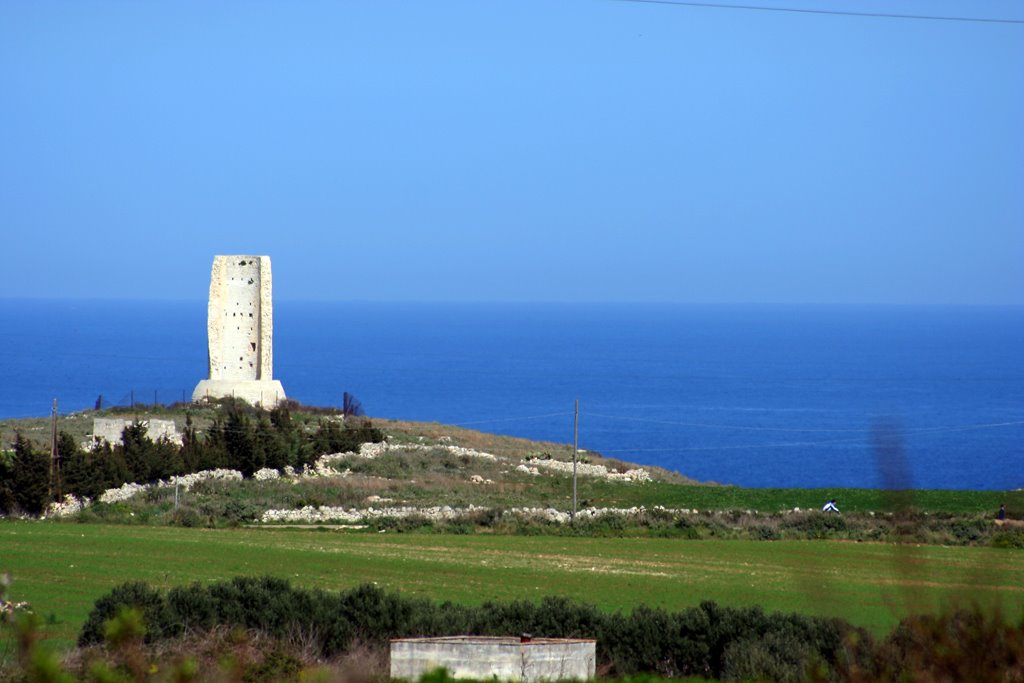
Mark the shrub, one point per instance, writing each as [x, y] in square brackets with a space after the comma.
[960, 645]
[331, 437]
[27, 479]
[193, 607]
[764, 532]
[654, 641]
[687, 529]
[1008, 538]
[186, 517]
[159, 621]
[277, 665]
[815, 524]
[709, 641]
[773, 657]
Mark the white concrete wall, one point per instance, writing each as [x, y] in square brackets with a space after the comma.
[542, 659]
[110, 429]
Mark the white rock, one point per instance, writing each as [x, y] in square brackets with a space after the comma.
[587, 470]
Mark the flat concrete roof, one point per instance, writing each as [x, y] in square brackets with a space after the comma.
[493, 640]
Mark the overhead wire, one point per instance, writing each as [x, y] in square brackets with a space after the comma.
[846, 13]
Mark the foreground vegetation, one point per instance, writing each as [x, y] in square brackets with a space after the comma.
[136, 632]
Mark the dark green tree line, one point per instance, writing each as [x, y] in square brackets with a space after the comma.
[240, 437]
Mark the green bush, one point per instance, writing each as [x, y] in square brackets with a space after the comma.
[687, 529]
[186, 517]
[159, 620]
[277, 665]
[815, 524]
[709, 640]
[1008, 538]
[764, 532]
[331, 437]
[193, 607]
[960, 645]
[772, 657]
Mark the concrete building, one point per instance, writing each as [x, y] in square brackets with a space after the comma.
[110, 429]
[506, 659]
[240, 331]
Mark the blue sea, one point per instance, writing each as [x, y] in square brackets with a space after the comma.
[751, 395]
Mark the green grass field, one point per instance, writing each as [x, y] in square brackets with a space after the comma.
[62, 568]
[612, 494]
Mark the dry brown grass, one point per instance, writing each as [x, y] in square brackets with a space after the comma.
[361, 663]
[235, 654]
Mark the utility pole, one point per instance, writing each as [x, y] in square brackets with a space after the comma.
[54, 462]
[575, 449]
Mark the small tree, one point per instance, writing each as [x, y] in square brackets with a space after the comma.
[240, 441]
[148, 460]
[31, 477]
[90, 473]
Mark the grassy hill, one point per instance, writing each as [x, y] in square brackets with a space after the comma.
[437, 469]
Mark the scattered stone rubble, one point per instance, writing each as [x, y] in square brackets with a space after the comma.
[326, 513]
[185, 481]
[340, 515]
[71, 505]
[327, 466]
[369, 451]
[587, 470]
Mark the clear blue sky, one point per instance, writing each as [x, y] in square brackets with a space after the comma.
[549, 150]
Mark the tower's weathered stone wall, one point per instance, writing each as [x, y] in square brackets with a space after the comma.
[240, 329]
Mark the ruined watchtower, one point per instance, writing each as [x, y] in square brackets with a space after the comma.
[240, 329]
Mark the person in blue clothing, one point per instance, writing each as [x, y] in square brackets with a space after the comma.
[830, 506]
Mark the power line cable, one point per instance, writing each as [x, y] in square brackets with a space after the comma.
[798, 10]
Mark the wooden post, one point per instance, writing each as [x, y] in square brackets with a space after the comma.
[575, 449]
[54, 464]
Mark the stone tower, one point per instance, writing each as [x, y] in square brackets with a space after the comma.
[240, 329]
